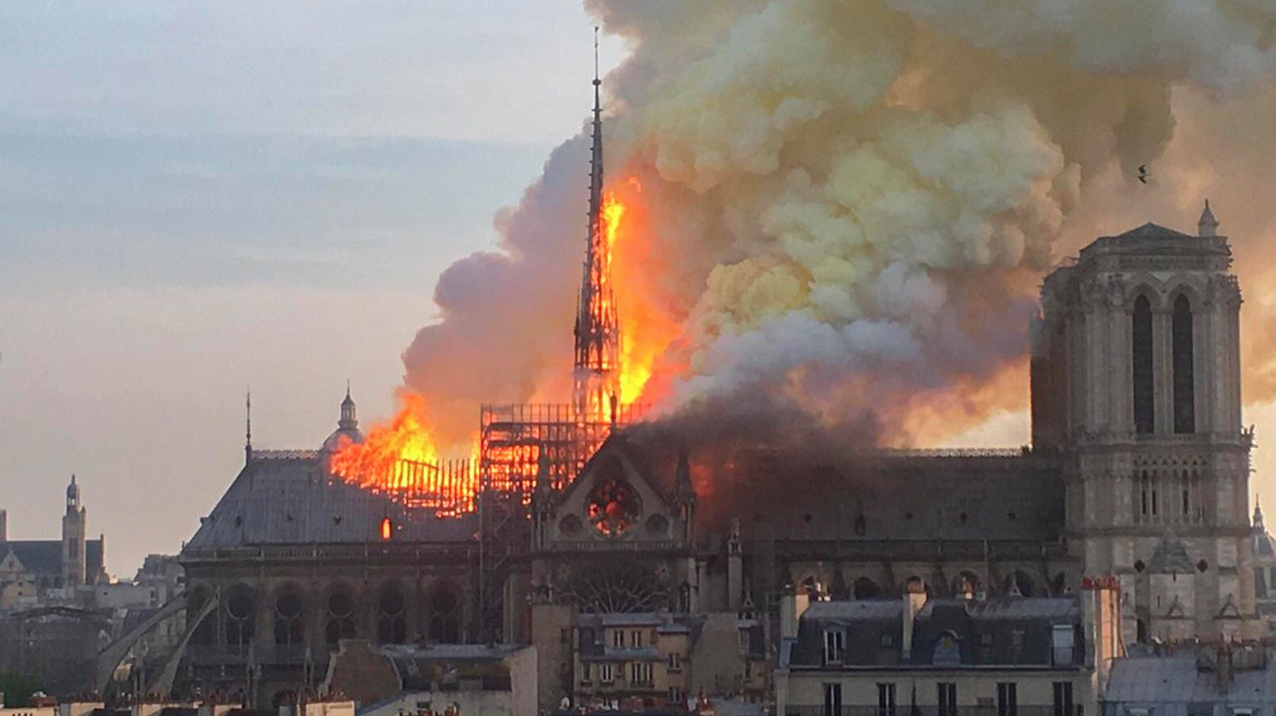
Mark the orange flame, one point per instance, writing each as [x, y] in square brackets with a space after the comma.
[376, 459]
[400, 458]
[646, 327]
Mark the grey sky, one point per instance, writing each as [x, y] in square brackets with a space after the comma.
[199, 196]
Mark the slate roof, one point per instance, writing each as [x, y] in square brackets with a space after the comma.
[590, 627]
[289, 498]
[860, 609]
[1153, 231]
[43, 557]
[1176, 679]
[1002, 631]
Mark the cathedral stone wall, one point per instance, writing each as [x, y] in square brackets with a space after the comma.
[1136, 383]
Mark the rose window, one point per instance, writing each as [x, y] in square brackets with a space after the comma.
[614, 506]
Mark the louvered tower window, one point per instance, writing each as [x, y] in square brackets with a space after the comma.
[1184, 386]
[1144, 405]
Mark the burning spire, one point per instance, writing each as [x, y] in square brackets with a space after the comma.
[596, 376]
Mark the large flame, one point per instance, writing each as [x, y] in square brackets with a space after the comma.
[375, 461]
[645, 327]
[399, 458]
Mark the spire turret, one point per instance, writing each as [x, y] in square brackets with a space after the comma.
[248, 426]
[683, 489]
[1207, 227]
[1258, 516]
[596, 376]
[349, 417]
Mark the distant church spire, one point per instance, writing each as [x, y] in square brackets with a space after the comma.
[1207, 227]
[248, 426]
[596, 374]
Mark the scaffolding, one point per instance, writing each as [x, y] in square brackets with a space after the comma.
[512, 439]
[447, 489]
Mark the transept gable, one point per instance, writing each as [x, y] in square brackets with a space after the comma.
[616, 498]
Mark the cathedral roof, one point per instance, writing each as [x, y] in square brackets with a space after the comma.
[283, 498]
[1153, 231]
[44, 556]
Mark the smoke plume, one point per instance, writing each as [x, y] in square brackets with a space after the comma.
[846, 204]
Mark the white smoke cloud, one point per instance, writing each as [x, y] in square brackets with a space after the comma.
[855, 198]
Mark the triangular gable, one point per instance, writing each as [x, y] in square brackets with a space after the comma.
[11, 563]
[615, 497]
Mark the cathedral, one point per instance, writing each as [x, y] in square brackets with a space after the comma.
[1138, 469]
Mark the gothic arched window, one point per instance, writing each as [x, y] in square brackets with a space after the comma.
[240, 608]
[392, 621]
[288, 622]
[1144, 400]
[445, 616]
[340, 617]
[1184, 387]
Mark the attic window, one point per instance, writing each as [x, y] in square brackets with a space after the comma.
[387, 529]
[834, 645]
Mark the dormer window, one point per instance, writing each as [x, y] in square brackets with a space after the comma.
[834, 645]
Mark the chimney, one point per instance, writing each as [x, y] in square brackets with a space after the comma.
[793, 604]
[1224, 666]
[4, 526]
[1101, 623]
[914, 600]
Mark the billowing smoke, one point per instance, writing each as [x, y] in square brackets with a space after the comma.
[847, 204]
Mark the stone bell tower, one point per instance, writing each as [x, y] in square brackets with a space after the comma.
[1136, 382]
[73, 541]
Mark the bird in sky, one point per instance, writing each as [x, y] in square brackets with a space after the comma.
[1143, 173]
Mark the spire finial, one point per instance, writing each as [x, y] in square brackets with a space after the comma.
[248, 425]
[596, 80]
[347, 387]
[1208, 225]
